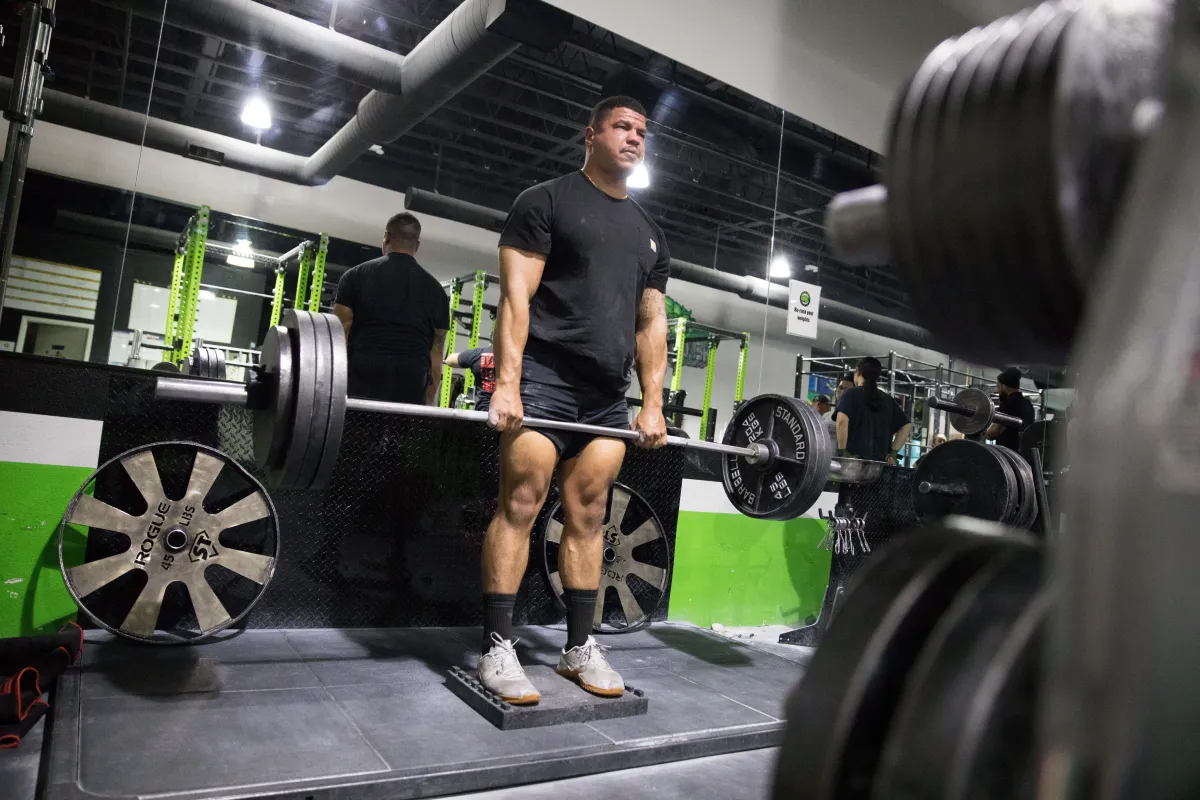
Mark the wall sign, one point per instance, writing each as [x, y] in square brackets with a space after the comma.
[804, 309]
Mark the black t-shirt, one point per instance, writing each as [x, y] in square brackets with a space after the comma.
[601, 253]
[482, 363]
[871, 430]
[397, 306]
[1018, 405]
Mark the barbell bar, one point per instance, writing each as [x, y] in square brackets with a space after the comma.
[777, 455]
[972, 411]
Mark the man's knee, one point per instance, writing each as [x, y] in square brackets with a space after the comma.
[521, 503]
[585, 508]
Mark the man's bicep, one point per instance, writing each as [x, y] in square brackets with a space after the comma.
[344, 313]
[653, 306]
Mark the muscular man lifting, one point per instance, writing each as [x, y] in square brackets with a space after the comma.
[583, 271]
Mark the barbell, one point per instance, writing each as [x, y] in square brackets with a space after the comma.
[777, 455]
[972, 411]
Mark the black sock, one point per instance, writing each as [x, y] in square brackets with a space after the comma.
[497, 617]
[581, 608]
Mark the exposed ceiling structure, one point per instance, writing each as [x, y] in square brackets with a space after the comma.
[713, 150]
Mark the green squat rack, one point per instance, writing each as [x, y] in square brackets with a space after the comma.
[695, 345]
[479, 281]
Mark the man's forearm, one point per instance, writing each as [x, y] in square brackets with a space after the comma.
[901, 438]
[652, 361]
[843, 432]
[508, 340]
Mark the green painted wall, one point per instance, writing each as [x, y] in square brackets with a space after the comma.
[736, 570]
[33, 597]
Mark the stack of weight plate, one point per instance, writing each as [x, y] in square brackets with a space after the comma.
[298, 393]
[207, 362]
[998, 483]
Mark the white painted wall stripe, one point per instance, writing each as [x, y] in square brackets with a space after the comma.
[42, 439]
[710, 497]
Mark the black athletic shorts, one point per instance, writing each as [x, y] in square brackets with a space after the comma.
[569, 405]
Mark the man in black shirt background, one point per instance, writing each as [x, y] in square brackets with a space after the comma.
[583, 272]
[396, 316]
[1012, 401]
[870, 423]
[482, 363]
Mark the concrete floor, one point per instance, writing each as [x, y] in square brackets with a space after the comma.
[735, 776]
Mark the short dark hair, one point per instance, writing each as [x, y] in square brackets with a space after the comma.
[404, 227]
[822, 398]
[600, 112]
[1011, 378]
[847, 378]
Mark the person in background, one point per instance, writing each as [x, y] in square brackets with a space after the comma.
[482, 363]
[870, 423]
[396, 316]
[844, 383]
[939, 439]
[1012, 401]
[823, 406]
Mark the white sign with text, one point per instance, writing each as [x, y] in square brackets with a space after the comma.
[804, 309]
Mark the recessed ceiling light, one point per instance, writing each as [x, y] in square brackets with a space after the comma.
[781, 267]
[257, 114]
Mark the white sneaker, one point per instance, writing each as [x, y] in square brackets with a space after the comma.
[588, 666]
[501, 674]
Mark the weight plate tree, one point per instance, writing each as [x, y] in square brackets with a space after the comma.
[842, 709]
[636, 569]
[165, 517]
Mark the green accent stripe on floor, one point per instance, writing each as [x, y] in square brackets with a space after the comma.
[736, 570]
[33, 497]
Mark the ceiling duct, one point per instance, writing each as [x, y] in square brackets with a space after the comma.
[472, 39]
[744, 286]
[254, 25]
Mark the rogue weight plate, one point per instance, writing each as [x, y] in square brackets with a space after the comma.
[787, 486]
[636, 567]
[840, 713]
[322, 347]
[1026, 490]
[337, 406]
[965, 726]
[304, 369]
[977, 422]
[273, 415]
[183, 509]
[986, 479]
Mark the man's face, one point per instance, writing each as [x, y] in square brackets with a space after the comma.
[821, 406]
[618, 142]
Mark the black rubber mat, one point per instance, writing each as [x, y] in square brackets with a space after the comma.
[290, 714]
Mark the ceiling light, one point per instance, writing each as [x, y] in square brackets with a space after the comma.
[639, 178]
[257, 114]
[781, 267]
[242, 247]
[243, 255]
[240, 261]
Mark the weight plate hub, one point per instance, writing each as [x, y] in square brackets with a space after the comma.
[170, 540]
[986, 483]
[840, 713]
[778, 489]
[636, 569]
[965, 725]
[984, 409]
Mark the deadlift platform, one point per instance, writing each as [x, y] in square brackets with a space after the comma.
[367, 713]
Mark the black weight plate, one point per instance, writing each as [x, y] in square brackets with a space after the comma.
[195, 364]
[990, 482]
[635, 544]
[273, 422]
[322, 398]
[337, 402]
[774, 489]
[822, 450]
[1026, 489]
[210, 362]
[304, 369]
[1013, 512]
[838, 716]
[219, 370]
[165, 366]
[973, 687]
[977, 422]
